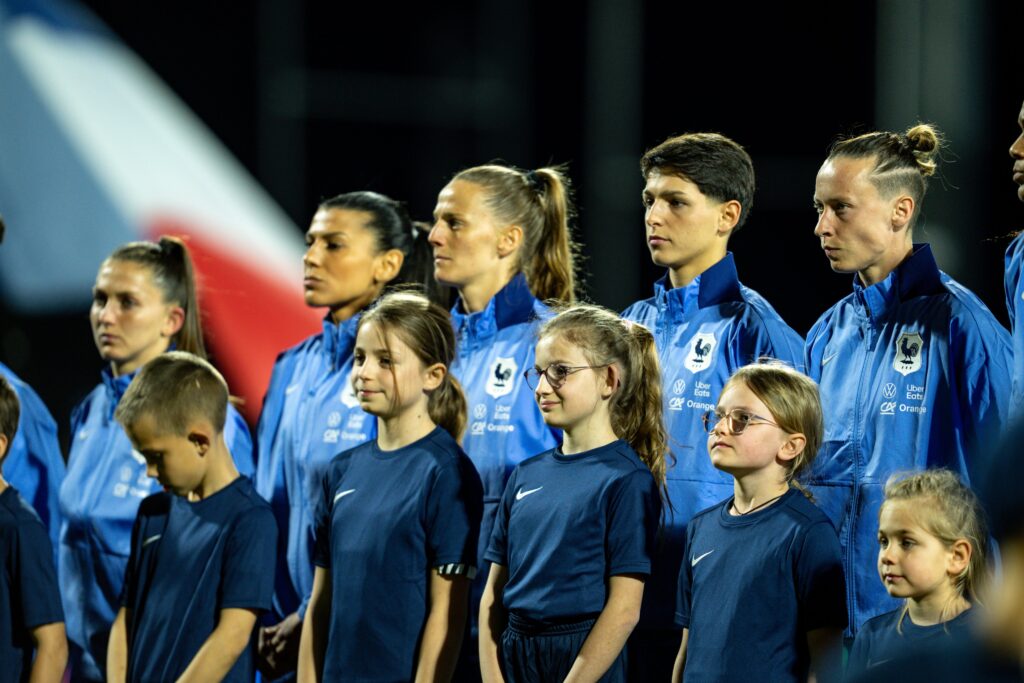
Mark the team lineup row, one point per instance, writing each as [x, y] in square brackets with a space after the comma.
[912, 367]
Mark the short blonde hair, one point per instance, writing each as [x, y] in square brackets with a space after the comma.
[175, 388]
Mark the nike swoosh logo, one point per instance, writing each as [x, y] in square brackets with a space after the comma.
[694, 561]
[828, 359]
[151, 539]
[523, 494]
[292, 389]
[341, 494]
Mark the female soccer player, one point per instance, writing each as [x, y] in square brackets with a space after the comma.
[144, 303]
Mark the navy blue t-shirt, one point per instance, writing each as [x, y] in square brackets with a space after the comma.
[188, 562]
[29, 597]
[385, 520]
[568, 522]
[878, 640]
[753, 585]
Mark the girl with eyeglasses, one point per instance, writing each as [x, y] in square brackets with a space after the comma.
[762, 575]
[575, 530]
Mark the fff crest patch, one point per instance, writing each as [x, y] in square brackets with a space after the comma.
[501, 378]
[700, 351]
[909, 348]
[347, 395]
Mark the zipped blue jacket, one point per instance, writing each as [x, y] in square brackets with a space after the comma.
[105, 483]
[1013, 284]
[494, 347]
[704, 332]
[34, 464]
[310, 414]
[914, 373]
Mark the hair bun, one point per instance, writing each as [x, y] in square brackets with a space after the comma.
[924, 141]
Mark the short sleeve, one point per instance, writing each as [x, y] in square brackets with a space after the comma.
[497, 548]
[821, 587]
[36, 576]
[685, 584]
[322, 522]
[454, 510]
[633, 514]
[858, 659]
[249, 561]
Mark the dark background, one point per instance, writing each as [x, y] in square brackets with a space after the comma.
[321, 98]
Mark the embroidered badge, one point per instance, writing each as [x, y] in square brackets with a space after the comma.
[501, 378]
[701, 352]
[908, 353]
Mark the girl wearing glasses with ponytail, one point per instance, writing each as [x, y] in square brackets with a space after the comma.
[762, 575]
[572, 542]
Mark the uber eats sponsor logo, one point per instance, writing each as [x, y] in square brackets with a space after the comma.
[500, 420]
[701, 390]
[902, 399]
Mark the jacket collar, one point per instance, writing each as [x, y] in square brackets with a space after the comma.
[115, 386]
[510, 306]
[339, 338]
[717, 285]
[918, 275]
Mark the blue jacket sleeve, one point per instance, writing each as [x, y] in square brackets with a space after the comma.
[34, 464]
[239, 441]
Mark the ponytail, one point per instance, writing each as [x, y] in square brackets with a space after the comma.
[426, 328]
[447, 406]
[636, 408]
[540, 202]
[170, 264]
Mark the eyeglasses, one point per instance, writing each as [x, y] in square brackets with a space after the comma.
[556, 374]
[738, 420]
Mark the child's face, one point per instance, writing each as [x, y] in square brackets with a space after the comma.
[389, 378]
[580, 396]
[758, 447]
[176, 461]
[912, 562]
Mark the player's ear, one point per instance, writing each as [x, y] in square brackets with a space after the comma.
[200, 438]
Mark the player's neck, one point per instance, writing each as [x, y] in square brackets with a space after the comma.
[399, 431]
[477, 294]
[753, 489]
[684, 274]
[936, 607]
[220, 472]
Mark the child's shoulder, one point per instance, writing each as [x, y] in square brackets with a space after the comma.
[16, 514]
[882, 624]
[804, 512]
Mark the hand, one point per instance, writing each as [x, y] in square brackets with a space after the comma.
[278, 646]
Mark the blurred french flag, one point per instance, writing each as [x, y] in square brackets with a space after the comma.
[95, 151]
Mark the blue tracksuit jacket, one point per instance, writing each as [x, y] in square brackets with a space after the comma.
[914, 372]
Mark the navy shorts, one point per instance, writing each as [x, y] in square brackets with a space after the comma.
[533, 652]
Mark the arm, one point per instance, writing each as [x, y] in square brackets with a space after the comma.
[313, 644]
[446, 622]
[222, 649]
[825, 649]
[51, 653]
[677, 670]
[493, 620]
[117, 648]
[618, 618]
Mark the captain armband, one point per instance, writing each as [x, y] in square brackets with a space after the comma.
[457, 569]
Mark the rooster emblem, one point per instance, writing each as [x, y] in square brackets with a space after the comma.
[908, 353]
[701, 354]
[501, 375]
[501, 378]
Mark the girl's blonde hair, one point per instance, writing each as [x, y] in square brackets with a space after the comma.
[426, 328]
[540, 202]
[636, 410]
[792, 398]
[949, 511]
